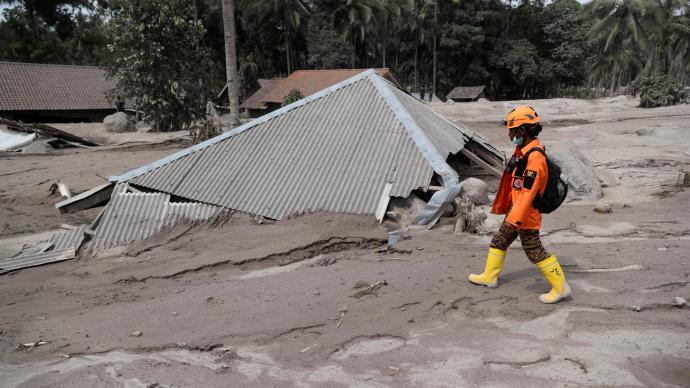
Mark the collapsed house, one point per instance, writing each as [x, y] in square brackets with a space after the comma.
[44, 248]
[349, 148]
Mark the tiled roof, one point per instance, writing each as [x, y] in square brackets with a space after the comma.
[33, 86]
[255, 101]
[311, 81]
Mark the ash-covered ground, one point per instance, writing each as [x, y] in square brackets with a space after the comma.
[318, 301]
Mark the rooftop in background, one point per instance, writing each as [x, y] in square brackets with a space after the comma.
[256, 100]
[466, 93]
[46, 87]
[311, 81]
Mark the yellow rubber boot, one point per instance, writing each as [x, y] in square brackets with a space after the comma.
[554, 274]
[494, 265]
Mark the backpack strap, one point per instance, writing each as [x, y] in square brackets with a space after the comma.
[522, 165]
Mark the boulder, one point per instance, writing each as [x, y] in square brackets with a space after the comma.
[603, 208]
[119, 122]
[582, 178]
[606, 177]
[476, 190]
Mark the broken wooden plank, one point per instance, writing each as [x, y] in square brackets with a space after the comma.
[86, 200]
[476, 159]
[492, 159]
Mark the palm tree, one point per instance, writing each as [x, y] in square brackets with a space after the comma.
[356, 19]
[294, 15]
[414, 22]
[620, 31]
[231, 60]
[667, 32]
[680, 49]
[393, 10]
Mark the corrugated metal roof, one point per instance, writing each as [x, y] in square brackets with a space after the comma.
[177, 213]
[446, 137]
[38, 86]
[63, 246]
[137, 216]
[69, 238]
[36, 259]
[129, 217]
[335, 154]
[335, 150]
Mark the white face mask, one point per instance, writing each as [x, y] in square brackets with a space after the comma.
[517, 140]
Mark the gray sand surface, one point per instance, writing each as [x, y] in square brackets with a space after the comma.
[247, 305]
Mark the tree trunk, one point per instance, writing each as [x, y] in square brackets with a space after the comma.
[385, 43]
[287, 41]
[354, 47]
[231, 60]
[433, 79]
[416, 67]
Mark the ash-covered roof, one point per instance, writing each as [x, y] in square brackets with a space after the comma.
[347, 148]
[466, 92]
[33, 86]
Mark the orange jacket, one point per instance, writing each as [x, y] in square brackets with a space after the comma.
[518, 189]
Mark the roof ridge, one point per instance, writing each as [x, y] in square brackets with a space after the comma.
[425, 145]
[52, 65]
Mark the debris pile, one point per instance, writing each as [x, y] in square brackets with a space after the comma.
[59, 246]
[20, 137]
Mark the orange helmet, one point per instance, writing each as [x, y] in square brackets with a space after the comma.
[523, 114]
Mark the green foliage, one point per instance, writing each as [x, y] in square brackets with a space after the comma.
[53, 31]
[292, 96]
[160, 60]
[657, 91]
[565, 38]
[517, 49]
[326, 49]
[638, 37]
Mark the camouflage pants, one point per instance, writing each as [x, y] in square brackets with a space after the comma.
[529, 238]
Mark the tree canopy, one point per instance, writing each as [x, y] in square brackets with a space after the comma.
[516, 48]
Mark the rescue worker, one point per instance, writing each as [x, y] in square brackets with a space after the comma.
[520, 184]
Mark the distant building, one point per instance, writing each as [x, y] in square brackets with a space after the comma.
[466, 93]
[270, 96]
[33, 92]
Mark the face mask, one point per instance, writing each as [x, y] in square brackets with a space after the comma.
[517, 140]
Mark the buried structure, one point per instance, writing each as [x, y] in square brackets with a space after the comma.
[349, 148]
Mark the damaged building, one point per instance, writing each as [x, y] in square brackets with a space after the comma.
[356, 147]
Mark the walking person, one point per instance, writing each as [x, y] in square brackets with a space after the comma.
[119, 104]
[524, 180]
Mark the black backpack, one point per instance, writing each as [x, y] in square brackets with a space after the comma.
[556, 186]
